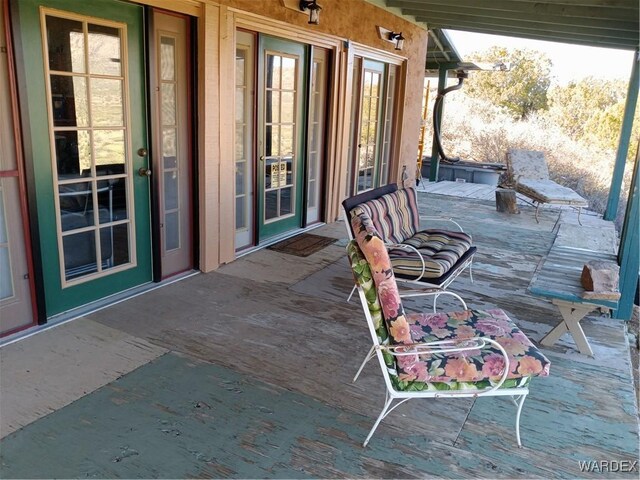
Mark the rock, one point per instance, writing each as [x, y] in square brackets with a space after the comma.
[600, 280]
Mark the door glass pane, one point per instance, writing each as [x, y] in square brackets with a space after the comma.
[369, 128]
[106, 102]
[272, 107]
[6, 280]
[169, 147]
[271, 205]
[73, 153]
[286, 201]
[167, 58]
[240, 213]
[288, 107]
[286, 140]
[172, 231]
[69, 101]
[111, 200]
[387, 133]
[109, 148]
[171, 190]
[76, 205]
[114, 245]
[65, 40]
[244, 156]
[288, 73]
[168, 104]
[104, 50]
[79, 250]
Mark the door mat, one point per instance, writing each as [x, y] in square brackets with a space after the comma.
[302, 245]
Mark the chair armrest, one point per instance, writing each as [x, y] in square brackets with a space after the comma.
[451, 346]
[404, 246]
[444, 219]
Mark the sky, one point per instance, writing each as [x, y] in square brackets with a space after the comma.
[570, 62]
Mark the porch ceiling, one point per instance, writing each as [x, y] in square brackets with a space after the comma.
[596, 23]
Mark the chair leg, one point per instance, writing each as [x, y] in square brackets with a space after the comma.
[471, 271]
[353, 290]
[520, 404]
[537, 209]
[370, 355]
[383, 414]
[435, 301]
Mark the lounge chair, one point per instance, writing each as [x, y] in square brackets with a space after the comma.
[528, 170]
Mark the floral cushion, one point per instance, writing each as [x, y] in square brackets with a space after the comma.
[440, 250]
[472, 366]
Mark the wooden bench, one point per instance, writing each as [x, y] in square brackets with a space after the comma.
[558, 278]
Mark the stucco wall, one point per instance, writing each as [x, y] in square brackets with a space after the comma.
[356, 20]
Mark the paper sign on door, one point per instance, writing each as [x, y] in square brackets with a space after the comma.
[278, 174]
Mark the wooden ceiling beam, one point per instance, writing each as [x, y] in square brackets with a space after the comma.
[528, 9]
[524, 25]
[592, 41]
[482, 14]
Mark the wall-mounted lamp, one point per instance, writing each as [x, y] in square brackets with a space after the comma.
[314, 10]
[398, 39]
[392, 37]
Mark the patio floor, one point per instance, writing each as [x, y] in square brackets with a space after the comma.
[246, 372]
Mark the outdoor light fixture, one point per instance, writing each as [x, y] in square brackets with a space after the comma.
[398, 39]
[314, 10]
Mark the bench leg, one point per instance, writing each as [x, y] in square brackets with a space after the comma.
[571, 313]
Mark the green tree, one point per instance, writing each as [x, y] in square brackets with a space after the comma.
[522, 90]
[591, 110]
[573, 105]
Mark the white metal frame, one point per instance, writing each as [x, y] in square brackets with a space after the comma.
[423, 288]
[517, 394]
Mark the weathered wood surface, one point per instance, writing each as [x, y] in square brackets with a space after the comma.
[559, 275]
[53, 369]
[283, 340]
[182, 418]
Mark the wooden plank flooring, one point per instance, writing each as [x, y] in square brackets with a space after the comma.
[258, 381]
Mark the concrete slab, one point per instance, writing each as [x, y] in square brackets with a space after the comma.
[54, 368]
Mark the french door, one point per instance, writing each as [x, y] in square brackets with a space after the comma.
[281, 135]
[86, 144]
[373, 120]
[171, 131]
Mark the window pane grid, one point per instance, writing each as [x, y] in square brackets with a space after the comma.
[86, 90]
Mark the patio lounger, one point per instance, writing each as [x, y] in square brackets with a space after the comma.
[430, 258]
[468, 353]
[530, 174]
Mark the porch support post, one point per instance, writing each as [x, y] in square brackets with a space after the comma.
[629, 252]
[435, 158]
[623, 145]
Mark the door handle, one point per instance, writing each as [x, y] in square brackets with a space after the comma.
[144, 172]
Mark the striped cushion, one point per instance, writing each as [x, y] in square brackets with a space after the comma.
[441, 250]
[394, 216]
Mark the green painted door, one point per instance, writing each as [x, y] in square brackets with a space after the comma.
[282, 66]
[86, 139]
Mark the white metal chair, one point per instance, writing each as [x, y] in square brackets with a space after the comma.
[425, 261]
[437, 355]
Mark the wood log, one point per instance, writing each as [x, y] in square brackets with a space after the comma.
[506, 200]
